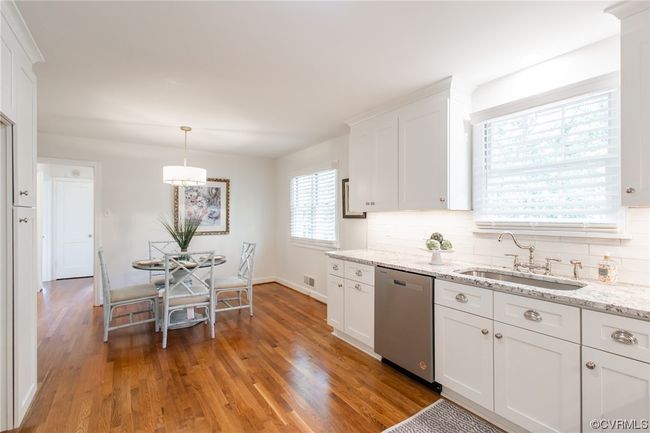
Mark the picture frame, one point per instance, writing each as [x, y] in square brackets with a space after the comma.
[345, 194]
[211, 202]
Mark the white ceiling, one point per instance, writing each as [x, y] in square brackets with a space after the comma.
[266, 78]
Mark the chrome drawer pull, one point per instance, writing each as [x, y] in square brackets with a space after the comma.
[340, 285]
[358, 273]
[25, 192]
[335, 267]
[590, 365]
[357, 286]
[533, 316]
[484, 331]
[498, 335]
[461, 298]
[624, 337]
[22, 220]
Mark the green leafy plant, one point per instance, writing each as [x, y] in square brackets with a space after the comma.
[183, 232]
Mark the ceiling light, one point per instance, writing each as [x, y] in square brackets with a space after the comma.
[184, 175]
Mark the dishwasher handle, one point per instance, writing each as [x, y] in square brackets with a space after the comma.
[399, 283]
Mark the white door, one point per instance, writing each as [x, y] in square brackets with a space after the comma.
[360, 312]
[423, 154]
[25, 288]
[73, 228]
[335, 301]
[536, 380]
[463, 345]
[613, 388]
[6, 295]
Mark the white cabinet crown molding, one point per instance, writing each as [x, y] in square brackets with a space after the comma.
[17, 24]
[457, 89]
[627, 8]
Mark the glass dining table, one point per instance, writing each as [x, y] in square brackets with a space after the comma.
[180, 318]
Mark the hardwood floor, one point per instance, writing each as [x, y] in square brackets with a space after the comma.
[280, 371]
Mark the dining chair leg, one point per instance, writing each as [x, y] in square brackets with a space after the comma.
[106, 323]
[156, 315]
[166, 315]
[249, 292]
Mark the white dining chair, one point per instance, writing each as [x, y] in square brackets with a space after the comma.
[157, 250]
[188, 287]
[123, 297]
[242, 283]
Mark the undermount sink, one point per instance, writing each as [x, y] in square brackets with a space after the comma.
[528, 280]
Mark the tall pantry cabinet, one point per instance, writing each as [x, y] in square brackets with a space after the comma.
[18, 258]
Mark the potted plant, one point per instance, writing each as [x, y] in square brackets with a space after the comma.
[183, 232]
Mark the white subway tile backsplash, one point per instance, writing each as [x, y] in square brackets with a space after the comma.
[406, 231]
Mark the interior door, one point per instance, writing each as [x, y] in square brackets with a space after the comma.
[73, 228]
[6, 294]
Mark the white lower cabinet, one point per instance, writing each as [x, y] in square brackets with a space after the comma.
[463, 354]
[536, 380]
[613, 388]
[360, 312]
[336, 302]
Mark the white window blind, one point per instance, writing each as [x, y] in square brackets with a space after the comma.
[313, 208]
[555, 165]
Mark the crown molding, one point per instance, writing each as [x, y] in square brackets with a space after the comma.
[627, 8]
[449, 84]
[19, 27]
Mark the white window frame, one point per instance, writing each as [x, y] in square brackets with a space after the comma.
[600, 83]
[315, 243]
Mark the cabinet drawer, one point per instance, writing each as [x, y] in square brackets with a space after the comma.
[336, 267]
[471, 299]
[621, 335]
[556, 320]
[362, 273]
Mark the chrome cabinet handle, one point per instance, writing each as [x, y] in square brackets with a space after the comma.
[358, 273]
[367, 203]
[484, 331]
[498, 335]
[533, 316]
[630, 190]
[442, 199]
[357, 286]
[461, 298]
[23, 220]
[624, 337]
[590, 365]
[335, 267]
[372, 203]
[340, 285]
[24, 192]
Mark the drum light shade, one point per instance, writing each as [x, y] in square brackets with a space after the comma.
[182, 175]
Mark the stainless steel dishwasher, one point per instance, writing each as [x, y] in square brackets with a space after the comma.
[404, 320]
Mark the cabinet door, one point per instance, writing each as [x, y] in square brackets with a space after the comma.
[360, 312]
[463, 354]
[25, 289]
[361, 153]
[384, 164]
[24, 145]
[336, 302]
[613, 388]
[9, 48]
[635, 109]
[423, 154]
[536, 380]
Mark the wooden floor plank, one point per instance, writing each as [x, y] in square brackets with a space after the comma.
[279, 371]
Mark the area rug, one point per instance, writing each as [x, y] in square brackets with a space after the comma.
[443, 417]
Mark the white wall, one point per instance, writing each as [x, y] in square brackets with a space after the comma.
[293, 261]
[133, 198]
[591, 61]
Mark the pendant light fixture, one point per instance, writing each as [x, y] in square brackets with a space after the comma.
[184, 175]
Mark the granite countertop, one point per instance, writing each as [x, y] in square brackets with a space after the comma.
[624, 300]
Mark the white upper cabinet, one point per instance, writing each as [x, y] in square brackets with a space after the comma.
[373, 164]
[413, 154]
[635, 101]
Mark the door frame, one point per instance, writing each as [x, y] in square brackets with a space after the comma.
[98, 217]
[55, 235]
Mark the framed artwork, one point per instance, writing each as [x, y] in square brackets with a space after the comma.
[347, 213]
[211, 203]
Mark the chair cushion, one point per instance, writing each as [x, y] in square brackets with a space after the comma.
[133, 292]
[228, 283]
[199, 299]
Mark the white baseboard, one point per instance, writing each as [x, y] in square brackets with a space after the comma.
[302, 289]
[356, 343]
[264, 280]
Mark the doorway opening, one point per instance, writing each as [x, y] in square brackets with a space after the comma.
[66, 220]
